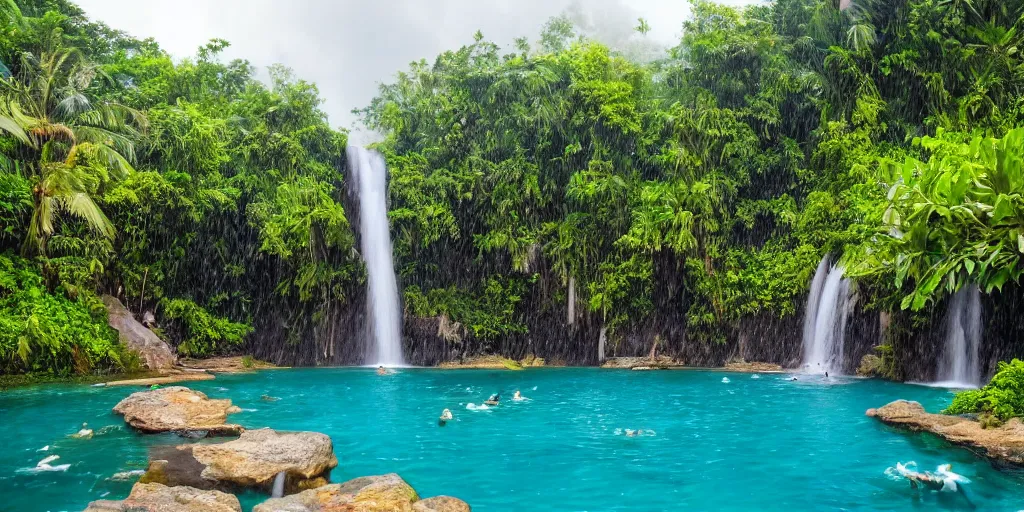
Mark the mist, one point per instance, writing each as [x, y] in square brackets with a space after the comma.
[348, 47]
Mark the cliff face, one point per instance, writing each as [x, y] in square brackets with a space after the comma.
[337, 336]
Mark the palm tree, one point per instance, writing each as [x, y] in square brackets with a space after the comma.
[75, 144]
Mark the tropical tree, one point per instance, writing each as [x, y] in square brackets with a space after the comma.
[75, 145]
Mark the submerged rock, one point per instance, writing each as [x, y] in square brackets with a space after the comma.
[177, 409]
[160, 498]
[154, 352]
[641, 363]
[383, 493]
[1003, 445]
[251, 461]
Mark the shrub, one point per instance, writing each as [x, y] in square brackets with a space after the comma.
[44, 331]
[201, 333]
[1002, 398]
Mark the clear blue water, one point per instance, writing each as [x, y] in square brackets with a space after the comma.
[750, 444]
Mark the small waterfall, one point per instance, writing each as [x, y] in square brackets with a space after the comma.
[370, 175]
[825, 322]
[279, 485]
[571, 308]
[959, 364]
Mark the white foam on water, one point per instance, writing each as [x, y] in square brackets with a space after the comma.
[123, 476]
[535, 388]
[43, 449]
[725, 380]
[755, 376]
[44, 466]
[473, 407]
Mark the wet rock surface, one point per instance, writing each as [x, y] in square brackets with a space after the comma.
[1003, 445]
[161, 498]
[251, 461]
[156, 354]
[177, 409]
[641, 363]
[382, 493]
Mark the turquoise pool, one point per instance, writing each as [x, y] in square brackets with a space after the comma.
[764, 443]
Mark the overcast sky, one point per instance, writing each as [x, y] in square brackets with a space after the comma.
[349, 46]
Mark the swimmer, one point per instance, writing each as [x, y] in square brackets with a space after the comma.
[518, 396]
[445, 417]
[826, 375]
[493, 400]
[635, 433]
[268, 398]
[794, 378]
[84, 433]
[381, 370]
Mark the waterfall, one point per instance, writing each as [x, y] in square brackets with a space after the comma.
[370, 176]
[825, 322]
[278, 490]
[571, 308]
[959, 364]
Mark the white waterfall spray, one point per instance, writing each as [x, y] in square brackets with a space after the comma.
[825, 322]
[959, 363]
[370, 175]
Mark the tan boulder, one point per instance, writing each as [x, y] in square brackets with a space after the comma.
[160, 498]
[153, 351]
[1002, 445]
[383, 493]
[251, 461]
[177, 409]
[441, 504]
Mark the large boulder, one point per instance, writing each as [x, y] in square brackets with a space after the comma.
[154, 352]
[160, 498]
[178, 409]
[251, 461]
[383, 493]
[1003, 445]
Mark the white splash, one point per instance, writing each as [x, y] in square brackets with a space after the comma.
[959, 363]
[725, 380]
[370, 175]
[123, 476]
[825, 322]
[44, 465]
[473, 407]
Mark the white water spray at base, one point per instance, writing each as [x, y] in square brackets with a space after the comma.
[370, 175]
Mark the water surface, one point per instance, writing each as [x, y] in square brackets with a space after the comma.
[750, 444]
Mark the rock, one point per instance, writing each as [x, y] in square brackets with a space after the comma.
[166, 379]
[383, 493]
[228, 364]
[1003, 445]
[251, 461]
[154, 352]
[483, 362]
[177, 409]
[752, 367]
[160, 498]
[441, 504]
[641, 363]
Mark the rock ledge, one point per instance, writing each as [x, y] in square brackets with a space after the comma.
[1003, 445]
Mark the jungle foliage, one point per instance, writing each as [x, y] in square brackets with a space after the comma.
[701, 186]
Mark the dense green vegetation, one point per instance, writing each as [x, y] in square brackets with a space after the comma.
[696, 189]
[1003, 398]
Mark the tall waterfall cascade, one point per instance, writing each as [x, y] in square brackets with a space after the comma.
[828, 307]
[370, 175]
[959, 363]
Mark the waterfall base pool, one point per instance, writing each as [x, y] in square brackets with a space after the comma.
[764, 443]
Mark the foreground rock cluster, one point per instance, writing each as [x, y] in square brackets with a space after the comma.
[199, 477]
[1003, 445]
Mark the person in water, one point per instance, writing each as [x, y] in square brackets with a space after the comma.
[493, 400]
[381, 370]
[84, 433]
[446, 416]
[517, 396]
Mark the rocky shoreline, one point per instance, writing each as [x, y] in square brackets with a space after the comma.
[291, 468]
[1003, 445]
